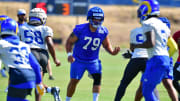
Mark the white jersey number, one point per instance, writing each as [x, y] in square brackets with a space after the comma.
[96, 43]
[28, 34]
[20, 59]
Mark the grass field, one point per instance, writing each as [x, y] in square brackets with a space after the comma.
[113, 68]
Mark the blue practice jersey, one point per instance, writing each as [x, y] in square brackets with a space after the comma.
[88, 44]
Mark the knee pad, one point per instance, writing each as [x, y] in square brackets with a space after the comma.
[97, 79]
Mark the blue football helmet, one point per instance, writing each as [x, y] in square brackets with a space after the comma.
[8, 27]
[95, 13]
[148, 8]
[166, 21]
[3, 17]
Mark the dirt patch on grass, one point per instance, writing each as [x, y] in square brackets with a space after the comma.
[120, 20]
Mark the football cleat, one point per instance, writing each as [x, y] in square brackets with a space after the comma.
[55, 92]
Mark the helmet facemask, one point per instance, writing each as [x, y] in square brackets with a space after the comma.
[95, 17]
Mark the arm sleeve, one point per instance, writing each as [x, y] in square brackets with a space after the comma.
[76, 31]
[36, 67]
[172, 46]
[48, 31]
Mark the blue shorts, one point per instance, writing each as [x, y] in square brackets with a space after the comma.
[78, 68]
[169, 72]
[156, 69]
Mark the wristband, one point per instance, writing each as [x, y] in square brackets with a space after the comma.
[69, 54]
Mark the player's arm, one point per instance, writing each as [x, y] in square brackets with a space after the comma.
[108, 47]
[172, 46]
[51, 49]
[69, 45]
[149, 43]
[131, 47]
[36, 67]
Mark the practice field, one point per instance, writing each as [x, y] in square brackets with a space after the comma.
[113, 68]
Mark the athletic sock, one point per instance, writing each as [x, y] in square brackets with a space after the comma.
[68, 98]
[48, 90]
[95, 96]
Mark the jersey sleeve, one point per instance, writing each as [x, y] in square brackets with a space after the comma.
[147, 27]
[36, 67]
[106, 32]
[132, 36]
[76, 31]
[48, 31]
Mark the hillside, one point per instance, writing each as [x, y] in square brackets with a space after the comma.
[120, 20]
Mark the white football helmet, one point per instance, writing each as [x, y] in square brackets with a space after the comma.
[38, 13]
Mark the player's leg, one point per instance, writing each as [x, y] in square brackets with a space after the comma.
[76, 73]
[139, 94]
[171, 90]
[50, 70]
[95, 69]
[153, 75]
[16, 94]
[167, 82]
[176, 75]
[132, 69]
[96, 85]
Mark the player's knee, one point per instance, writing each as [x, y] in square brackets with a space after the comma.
[97, 79]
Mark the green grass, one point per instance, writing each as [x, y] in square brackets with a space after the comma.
[113, 68]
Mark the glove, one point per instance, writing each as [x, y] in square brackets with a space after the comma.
[40, 89]
[178, 68]
[127, 55]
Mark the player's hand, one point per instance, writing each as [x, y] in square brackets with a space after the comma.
[116, 51]
[57, 62]
[71, 59]
[127, 54]
[40, 89]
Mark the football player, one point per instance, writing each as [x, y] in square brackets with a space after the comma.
[24, 70]
[176, 70]
[157, 34]
[168, 77]
[39, 38]
[87, 39]
[21, 14]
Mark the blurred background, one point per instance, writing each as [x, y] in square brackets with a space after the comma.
[120, 15]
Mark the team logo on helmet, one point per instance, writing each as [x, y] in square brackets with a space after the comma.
[148, 7]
